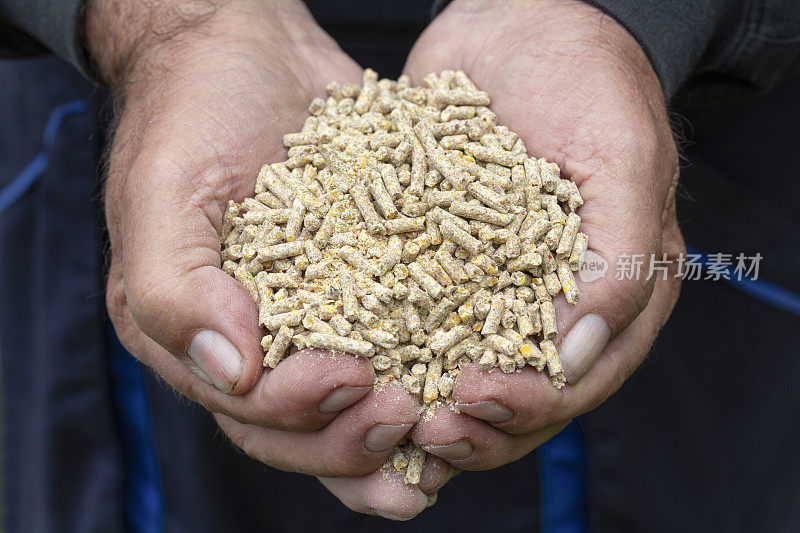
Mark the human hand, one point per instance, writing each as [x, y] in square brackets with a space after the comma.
[206, 94]
[579, 91]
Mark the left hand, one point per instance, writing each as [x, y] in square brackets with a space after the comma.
[579, 91]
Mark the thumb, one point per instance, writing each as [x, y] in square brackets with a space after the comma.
[619, 271]
[168, 222]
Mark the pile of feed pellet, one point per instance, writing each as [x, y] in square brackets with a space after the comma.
[408, 227]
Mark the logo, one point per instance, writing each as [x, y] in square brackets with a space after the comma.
[593, 268]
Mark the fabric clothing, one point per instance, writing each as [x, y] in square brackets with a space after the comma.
[713, 45]
[35, 27]
[61, 468]
[701, 49]
[697, 48]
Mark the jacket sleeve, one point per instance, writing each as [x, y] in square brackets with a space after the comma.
[32, 27]
[722, 47]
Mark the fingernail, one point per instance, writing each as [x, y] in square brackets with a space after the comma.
[451, 452]
[340, 398]
[584, 343]
[388, 516]
[385, 436]
[216, 360]
[490, 410]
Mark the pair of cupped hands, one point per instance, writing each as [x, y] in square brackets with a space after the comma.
[206, 93]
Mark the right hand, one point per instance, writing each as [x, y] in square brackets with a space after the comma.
[206, 97]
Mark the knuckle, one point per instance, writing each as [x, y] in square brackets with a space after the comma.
[346, 463]
[281, 412]
[147, 297]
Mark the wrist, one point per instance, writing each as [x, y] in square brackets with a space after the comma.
[571, 28]
[133, 40]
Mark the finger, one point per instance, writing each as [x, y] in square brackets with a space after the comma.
[356, 442]
[471, 444]
[385, 494]
[305, 392]
[284, 398]
[435, 475]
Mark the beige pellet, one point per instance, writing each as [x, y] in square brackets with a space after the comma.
[382, 197]
[506, 363]
[491, 323]
[445, 385]
[368, 213]
[526, 261]
[526, 294]
[290, 318]
[536, 230]
[488, 197]
[461, 97]
[340, 324]
[443, 198]
[578, 250]
[462, 238]
[551, 283]
[492, 155]
[416, 463]
[452, 266]
[488, 360]
[367, 317]
[553, 236]
[418, 297]
[419, 167]
[276, 186]
[554, 368]
[549, 174]
[442, 341]
[400, 155]
[567, 280]
[434, 371]
[369, 89]
[536, 317]
[548, 313]
[349, 298]
[568, 235]
[354, 257]
[500, 344]
[479, 212]
[399, 459]
[523, 318]
[326, 230]
[427, 282]
[280, 251]
[278, 279]
[381, 338]
[246, 278]
[404, 225]
[278, 347]
[314, 323]
[341, 344]
[541, 291]
[548, 261]
[439, 215]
